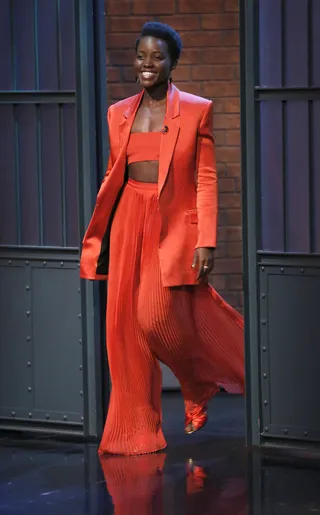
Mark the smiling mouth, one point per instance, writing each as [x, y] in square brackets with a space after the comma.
[148, 75]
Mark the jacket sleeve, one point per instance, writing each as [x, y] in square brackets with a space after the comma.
[207, 191]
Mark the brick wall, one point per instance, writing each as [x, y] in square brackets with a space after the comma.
[209, 67]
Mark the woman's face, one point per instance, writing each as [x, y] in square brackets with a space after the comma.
[152, 63]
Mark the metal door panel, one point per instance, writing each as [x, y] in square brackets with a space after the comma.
[56, 318]
[49, 132]
[15, 341]
[281, 202]
[290, 357]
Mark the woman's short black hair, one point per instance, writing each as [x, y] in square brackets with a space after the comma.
[165, 32]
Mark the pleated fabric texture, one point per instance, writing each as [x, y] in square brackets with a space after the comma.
[191, 329]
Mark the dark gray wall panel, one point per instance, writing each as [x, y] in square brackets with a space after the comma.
[57, 329]
[8, 193]
[5, 47]
[270, 29]
[316, 169]
[271, 179]
[295, 42]
[280, 177]
[289, 491]
[15, 342]
[290, 357]
[47, 105]
[41, 351]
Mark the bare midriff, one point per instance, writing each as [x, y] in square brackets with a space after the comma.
[144, 171]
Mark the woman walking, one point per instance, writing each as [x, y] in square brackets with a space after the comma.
[153, 236]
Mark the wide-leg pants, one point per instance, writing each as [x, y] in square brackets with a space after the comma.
[190, 328]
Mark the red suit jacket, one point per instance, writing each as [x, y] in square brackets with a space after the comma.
[187, 187]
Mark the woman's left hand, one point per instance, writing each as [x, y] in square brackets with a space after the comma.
[203, 261]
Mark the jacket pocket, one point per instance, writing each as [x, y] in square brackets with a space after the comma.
[192, 216]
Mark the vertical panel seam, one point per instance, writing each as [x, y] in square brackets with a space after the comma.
[284, 173]
[310, 43]
[13, 47]
[39, 174]
[36, 43]
[63, 175]
[284, 121]
[17, 174]
[311, 128]
[283, 39]
[59, 44]
[311, 179]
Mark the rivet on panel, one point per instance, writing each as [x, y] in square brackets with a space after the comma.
[266, 429]
[28, 313]
[306, 433]
[29, 389]
[27, 263]
[79, 291]
[13, 413]
[265, 376]
[285, 431]
[28, 338]
[65, 417]
[282, 270]
[302, 270]
[29, 363]
[47, 416]
[44, 263]
[62, 263]
[80, 368]
[265, 403]
[28, 288]
[81, 419]
[81, 393]
[78, 265]
[263, 322]
[264, 349]
[80, 341]
[263, 295]
[79, 316]
[10, 262]
[262, 269]
[30, 415]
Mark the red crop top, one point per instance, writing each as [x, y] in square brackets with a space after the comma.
[143, 146]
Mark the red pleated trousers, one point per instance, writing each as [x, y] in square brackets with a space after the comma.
[191, 329]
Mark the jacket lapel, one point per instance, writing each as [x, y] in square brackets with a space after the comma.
[125, 128]
[169, 136]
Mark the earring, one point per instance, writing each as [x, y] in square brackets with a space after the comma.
[170, 79]
[137, 80]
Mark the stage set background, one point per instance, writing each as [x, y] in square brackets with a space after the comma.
[63, 63]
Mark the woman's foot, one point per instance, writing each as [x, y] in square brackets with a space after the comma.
[196, 477]
[195, 419]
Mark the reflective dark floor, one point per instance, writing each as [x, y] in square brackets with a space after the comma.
[208, 473]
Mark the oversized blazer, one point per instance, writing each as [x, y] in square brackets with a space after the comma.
[187, 187]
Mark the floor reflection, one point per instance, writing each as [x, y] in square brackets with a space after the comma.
[209, 473]
[151, 485]
[202, 474]
[135, 483]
